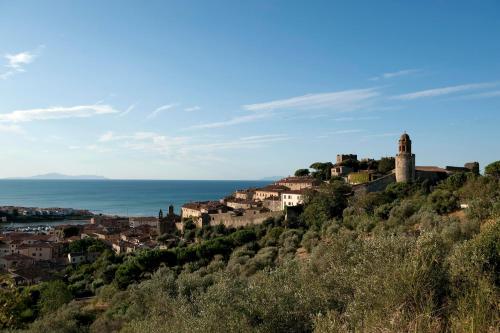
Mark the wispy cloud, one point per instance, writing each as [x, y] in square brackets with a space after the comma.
[248, 142]
[395, 74]
[183, 146]
[57, 112]
[346, 100]
[127, 111]
[160, 109]
[16, 62]
[192, 108]
[233, 121]
[444, 91]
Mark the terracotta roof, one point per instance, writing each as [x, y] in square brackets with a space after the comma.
[37, 244]
[239, 200]
[273, 188]
[248, 190]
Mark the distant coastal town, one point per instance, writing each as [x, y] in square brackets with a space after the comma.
[31, 256]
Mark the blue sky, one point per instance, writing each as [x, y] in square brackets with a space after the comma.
[243, 89]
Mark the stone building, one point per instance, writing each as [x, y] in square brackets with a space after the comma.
[244, 194]
[196, 209]
[135, 222]
[167, 223]
[340, 170]
[344, 157]
[270, 191]
[405, 161]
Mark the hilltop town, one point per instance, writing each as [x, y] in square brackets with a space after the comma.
[309, 250]
[31, 257]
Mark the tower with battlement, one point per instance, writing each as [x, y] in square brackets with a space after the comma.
[405, 161]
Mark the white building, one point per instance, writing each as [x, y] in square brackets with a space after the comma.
[291, 198]
[76, 258]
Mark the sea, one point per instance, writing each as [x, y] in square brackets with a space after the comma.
[117, 197]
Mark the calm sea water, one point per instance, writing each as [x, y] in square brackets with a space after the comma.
[122, 197]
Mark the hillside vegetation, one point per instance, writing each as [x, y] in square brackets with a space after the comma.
[406, 259]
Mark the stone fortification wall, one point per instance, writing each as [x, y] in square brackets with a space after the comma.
[376, 185]
[272, 205]
[233, 221]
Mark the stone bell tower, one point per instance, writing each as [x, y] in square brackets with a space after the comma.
[405, 161]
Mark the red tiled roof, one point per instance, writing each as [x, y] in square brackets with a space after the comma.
[273, 188]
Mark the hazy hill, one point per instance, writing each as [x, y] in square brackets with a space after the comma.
[59, 176]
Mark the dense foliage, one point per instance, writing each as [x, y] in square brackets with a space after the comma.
[406, 259]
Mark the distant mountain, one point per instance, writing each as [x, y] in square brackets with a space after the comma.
[59, 176]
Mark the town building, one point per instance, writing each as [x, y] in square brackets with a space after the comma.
[340, 170]
[135, 222]
[196, 209]
[345, 157]
[244, 194]
[237, 203]
[168, 223]
[15, 260]
[270, 191]
[38, 250]
[292, 198]
[298, 183]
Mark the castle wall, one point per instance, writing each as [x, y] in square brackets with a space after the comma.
[272, 205]
[233, 221]
[376, 185]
